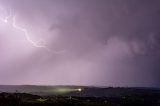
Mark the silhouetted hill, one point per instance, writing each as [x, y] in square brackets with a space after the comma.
[18, 95]
[74, 90]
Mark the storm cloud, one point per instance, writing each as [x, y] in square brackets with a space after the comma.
[90, 42]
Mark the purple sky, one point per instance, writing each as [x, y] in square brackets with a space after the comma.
[80, 42]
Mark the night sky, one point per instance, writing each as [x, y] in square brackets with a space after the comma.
[80, 42]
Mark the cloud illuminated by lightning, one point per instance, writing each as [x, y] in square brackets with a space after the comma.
[5, 19]
[25, 31]
[26, 34]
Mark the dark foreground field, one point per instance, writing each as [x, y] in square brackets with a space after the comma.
[125, 97]
[22, 99]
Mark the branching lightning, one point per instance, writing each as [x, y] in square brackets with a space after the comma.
[24, 30]
[26, 34]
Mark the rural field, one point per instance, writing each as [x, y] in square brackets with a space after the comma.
[28, 95]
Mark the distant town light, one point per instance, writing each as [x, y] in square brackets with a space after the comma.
[79, 89]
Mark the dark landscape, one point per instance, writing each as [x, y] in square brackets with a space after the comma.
[87, 96]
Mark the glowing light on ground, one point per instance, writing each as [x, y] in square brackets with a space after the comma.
[79, 89]
[65, 90]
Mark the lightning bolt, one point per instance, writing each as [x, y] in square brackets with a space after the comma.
[25, 31]
[26, 34]
[28, 38]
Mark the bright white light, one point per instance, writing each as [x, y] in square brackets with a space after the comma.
[79, 89]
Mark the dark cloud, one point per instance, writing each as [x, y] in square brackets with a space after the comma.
[106, 42]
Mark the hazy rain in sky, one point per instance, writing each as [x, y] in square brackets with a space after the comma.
[80, 42]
